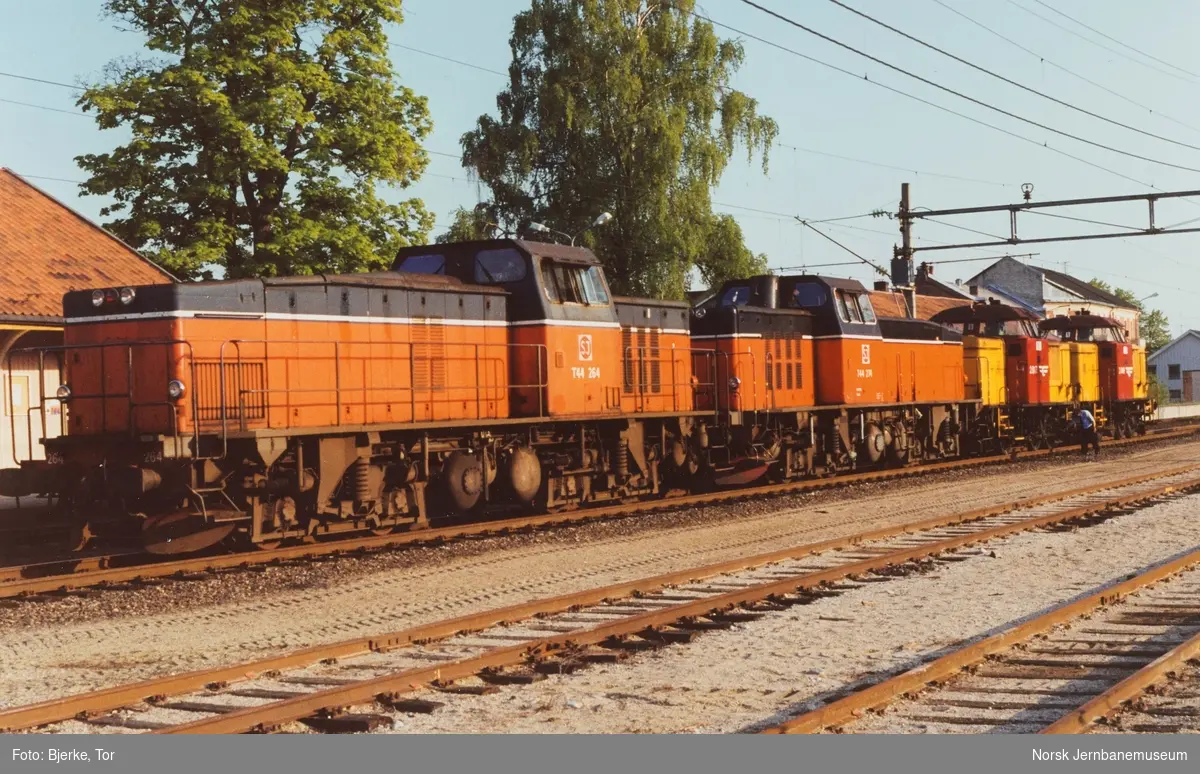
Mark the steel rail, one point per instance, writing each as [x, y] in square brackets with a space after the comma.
[849, 708]
[121, 696]
[89, 572]
[1110, 701]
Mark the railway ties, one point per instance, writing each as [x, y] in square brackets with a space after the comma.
[358, 685]
[1119, 660]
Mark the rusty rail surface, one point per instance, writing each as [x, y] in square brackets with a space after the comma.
[89, 572]
[1112, 700]
[910, 683]
[648, 624]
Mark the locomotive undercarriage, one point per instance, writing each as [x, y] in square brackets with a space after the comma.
[268, 490]
[1000, 430]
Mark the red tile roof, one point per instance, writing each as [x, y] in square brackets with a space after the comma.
[46, 249]
[888, 304]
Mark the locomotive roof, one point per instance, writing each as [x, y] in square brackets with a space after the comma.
[545, 249]
[652, 301]
[386, 279]
[1076, 322]
[982, 312]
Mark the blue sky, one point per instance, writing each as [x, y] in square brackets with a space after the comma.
[950, 161]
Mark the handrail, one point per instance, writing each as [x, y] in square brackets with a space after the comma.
[103, 396]
[231, 353]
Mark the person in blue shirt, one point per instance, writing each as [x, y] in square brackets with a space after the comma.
[1088, 435]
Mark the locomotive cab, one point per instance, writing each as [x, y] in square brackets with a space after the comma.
[1104, 365]
[751, 354]
[864, 359]
[1005, 358]
[565, 338]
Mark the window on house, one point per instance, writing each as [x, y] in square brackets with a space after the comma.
[1176, 394]
[1173, 371]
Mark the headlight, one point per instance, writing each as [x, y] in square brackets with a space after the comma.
[63, 392]
[127, 295]
[175, 389]
[699, 312]
[734, 383]
[97, 298]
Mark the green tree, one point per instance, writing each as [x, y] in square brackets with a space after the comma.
[623, 106]
[468, 225]
[1153, 326]
[260, 131]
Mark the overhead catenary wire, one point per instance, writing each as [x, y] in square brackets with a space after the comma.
[448, 59]
[75, 113]
[943, 108]
[940, 263]
[1009, 81]
[893, 166]
[962, 95]
[1111, 50]
[1064, 69]
[870, 263]
[1115, 40]
[41, 80]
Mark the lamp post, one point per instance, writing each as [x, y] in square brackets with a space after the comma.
[1147, 298]
[541, 228]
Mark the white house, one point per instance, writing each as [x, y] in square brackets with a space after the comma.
[1173, 362]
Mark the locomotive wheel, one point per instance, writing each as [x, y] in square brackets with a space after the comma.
[1038, 437]
[875, 443]
[462, 480]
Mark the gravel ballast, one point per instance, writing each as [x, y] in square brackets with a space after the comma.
[80, 644]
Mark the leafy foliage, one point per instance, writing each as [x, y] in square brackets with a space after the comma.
[1153, 326]
[259, 132]
[622, 106]
[468, 225]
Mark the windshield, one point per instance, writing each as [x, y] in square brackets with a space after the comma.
[736, 296]
[809, 295]
[424, 264]
[573, 284]
[496, 266]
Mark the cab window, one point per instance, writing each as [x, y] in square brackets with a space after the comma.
[736, 296]
[848, 307]
[809, 295]
[841, 307]
[571, 284]
[424, 264]
[864, 307]
[498, 266]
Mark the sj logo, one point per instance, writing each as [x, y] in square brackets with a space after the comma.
[585, 348]
[866, 354]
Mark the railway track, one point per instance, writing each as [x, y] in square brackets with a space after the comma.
[518, 644]
[40, 581]
[1098, 662]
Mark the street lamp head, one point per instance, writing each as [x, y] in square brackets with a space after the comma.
[602, 218]
[539, 228]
